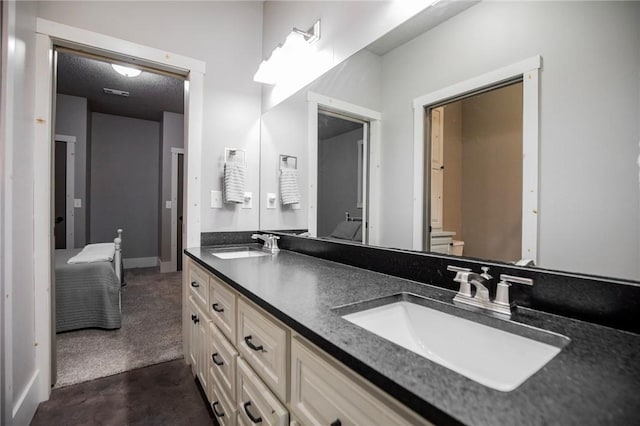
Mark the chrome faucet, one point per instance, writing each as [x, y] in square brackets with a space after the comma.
[500, 304]
[270, 242]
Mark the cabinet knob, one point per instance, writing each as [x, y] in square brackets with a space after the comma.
[247, 340]
[215, 411]
[246, 410]
[213, 357]
[337, 422]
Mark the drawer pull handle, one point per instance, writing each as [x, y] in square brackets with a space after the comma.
[194, 284]
[247, 340]
[246, 410]
[213, 357]
[335, 423]
[216, 307]
[213, 406]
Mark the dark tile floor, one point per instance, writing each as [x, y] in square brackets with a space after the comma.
[161, 394]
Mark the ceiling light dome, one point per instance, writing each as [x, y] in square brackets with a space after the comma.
[126, 71]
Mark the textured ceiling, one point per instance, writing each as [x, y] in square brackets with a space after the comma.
[150, 94]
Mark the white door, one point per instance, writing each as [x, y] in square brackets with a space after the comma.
[437, 166]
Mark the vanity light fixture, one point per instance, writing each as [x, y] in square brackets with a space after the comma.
[284, 57]
[126, 71]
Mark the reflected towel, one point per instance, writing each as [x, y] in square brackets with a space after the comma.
[289, 193]
[101, 252]
[233, 187]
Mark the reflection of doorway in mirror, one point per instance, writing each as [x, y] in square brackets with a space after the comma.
[342, 157]
[476, 175]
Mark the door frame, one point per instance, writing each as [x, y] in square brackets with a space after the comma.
[371, 209]
[528, 70]
[70, 188]
[48, 34]
[174, 207]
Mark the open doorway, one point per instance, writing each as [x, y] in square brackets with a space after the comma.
[342, 177]
[125, 120]
[476, 174]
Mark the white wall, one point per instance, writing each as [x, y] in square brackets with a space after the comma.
[71, 120]
[19, 371]
[228, 37]
[589, 196]
[172, 136]
[125, 164]
[346, 27]
[285, 131]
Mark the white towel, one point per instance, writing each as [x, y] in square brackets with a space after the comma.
[102, 252]
[289, 192]
[233, 182]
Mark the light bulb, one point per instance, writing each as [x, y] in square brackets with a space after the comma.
[126, 71]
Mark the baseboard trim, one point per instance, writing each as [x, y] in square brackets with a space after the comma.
[27, 404]
[140, 262]
[167, 267]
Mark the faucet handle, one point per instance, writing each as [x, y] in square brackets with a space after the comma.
[485, 273]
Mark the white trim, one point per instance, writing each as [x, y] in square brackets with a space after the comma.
[7, 141]
[112, 47]
[338, 105]
[166, 267]
[43, 214]
[27, 403]
[141, 262]
[371, 197]
[99, 43]
[173, 263]
[70, 189]
[529, 70]
[65, 138]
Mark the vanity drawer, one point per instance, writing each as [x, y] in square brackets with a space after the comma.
[223, 359]
[256, 403]
[222, 306]
[198, 281]
[264, 345]
[321, 394]
[223, 408]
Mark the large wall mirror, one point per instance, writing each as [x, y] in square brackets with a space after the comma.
[586, 208]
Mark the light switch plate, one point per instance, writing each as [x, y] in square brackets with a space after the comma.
[216, 199]
[167, 204]
[77, 203]
[271, 200]
[248, 200]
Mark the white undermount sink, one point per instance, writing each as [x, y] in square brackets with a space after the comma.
[493, 357]
[238, 253]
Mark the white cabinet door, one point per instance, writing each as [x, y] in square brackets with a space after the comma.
[263, 344]
[193, 335]
[222, 308]
[223, 359]
[256, 403]
[322, 395]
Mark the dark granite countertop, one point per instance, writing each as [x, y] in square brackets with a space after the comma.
[594, 380]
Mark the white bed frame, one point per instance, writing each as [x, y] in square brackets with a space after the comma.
[117, 258]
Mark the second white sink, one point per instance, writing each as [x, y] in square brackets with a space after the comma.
[488, 355]
[238, 253]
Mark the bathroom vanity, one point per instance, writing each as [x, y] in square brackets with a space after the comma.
[269, 344]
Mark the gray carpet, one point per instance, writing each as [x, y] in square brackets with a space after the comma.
[151, 331]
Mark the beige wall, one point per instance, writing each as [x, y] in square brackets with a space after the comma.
[452, 159]
[492, 174]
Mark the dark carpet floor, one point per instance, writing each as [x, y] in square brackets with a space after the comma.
[162, 394]
[151, 331]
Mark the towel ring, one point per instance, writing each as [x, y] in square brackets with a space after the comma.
[231, 153]
[284, 162]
